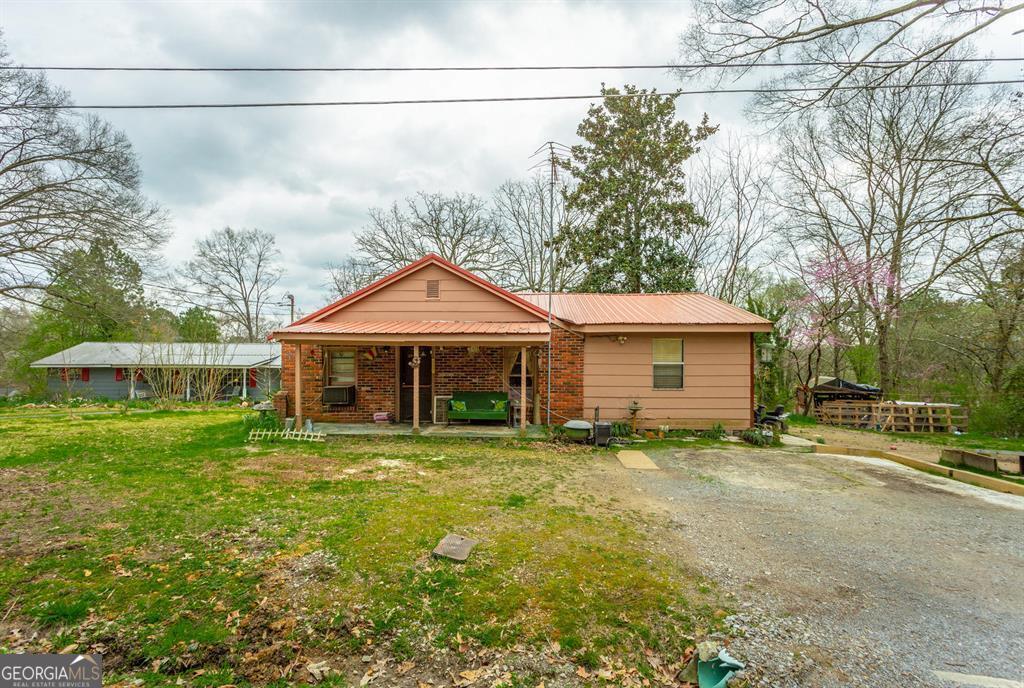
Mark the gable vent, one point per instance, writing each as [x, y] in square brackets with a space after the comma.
[433, 289]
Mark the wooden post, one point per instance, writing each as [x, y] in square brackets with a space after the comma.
[298, 386]
[245, 383]
[522, 392]
[416, 389]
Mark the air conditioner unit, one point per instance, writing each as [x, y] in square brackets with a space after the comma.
[340, 396]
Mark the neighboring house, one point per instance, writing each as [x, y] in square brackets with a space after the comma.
[404, 344]
[118, 370]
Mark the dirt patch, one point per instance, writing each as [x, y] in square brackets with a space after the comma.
[868, 440]
[36, 509]
[276, 468]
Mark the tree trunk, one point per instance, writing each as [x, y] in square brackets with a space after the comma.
[886, 377]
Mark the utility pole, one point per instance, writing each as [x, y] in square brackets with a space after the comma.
[291, 304]
[552, 162]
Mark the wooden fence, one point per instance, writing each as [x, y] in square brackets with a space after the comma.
[888, 416]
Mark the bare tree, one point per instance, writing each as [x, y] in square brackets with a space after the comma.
[66, 181]
[459, 228]
[991, 286]
[864, 186]
[992, 156]
[236, 271]
[208, 375]
[162, 371]
[832, 44]
[528, 260]
[350, 275]
[730, 187]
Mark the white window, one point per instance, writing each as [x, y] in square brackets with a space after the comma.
[668, 364]
[341, 367]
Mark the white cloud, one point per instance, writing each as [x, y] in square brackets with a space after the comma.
[309, 175]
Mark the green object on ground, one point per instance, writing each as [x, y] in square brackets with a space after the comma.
[717, 672]
[477, 406]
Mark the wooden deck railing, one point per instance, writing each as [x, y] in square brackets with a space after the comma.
[891, 417]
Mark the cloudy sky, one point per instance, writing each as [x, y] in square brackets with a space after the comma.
[309, 175]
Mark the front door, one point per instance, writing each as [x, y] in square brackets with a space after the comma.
[405, 382]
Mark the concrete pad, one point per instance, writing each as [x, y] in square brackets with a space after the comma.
[980, 681]
[456, 547]
[631, 458]
[794, 441]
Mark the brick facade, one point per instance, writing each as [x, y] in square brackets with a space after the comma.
[475, 369]
[480, 369]
[375, 383]
[566, 376]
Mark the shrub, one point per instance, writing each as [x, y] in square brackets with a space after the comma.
[716, 432]
[1013, 401]
[261, 421]
[621, 428]
[760, 439]
[990, 418]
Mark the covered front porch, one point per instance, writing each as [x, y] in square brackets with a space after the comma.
[347, 383]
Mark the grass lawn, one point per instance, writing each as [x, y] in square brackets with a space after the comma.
[165, 542]
[968, 440]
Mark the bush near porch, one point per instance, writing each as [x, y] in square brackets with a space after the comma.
[166, 543]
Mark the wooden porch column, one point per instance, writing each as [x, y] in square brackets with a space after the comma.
[298, 386]
[245, 383]
[522, 392]
[416, 388]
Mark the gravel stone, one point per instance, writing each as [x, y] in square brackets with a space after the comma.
[847, 571]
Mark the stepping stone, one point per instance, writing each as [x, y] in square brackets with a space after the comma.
[631, 458]
[455, 547]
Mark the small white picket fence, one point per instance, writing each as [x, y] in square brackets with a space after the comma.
[297, 435]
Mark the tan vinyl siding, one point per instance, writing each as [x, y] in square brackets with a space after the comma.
[458, 299]
[716, 380]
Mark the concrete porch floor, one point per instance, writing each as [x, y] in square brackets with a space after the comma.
[428, 429]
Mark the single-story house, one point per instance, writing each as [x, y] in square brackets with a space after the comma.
[122, 370]
[406, 343]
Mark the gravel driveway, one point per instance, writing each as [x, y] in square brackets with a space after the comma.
[852, 572]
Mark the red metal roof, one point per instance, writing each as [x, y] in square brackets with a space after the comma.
[688, 308]
[374, 327]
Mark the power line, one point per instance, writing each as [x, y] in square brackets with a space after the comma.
[209, 297]
[500, 99]
[512, 68]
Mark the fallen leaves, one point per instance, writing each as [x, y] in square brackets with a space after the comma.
[469, 677]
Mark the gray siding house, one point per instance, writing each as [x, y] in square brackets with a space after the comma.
[119, 370]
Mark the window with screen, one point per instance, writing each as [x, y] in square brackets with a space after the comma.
[341, 367]
[668, 364]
